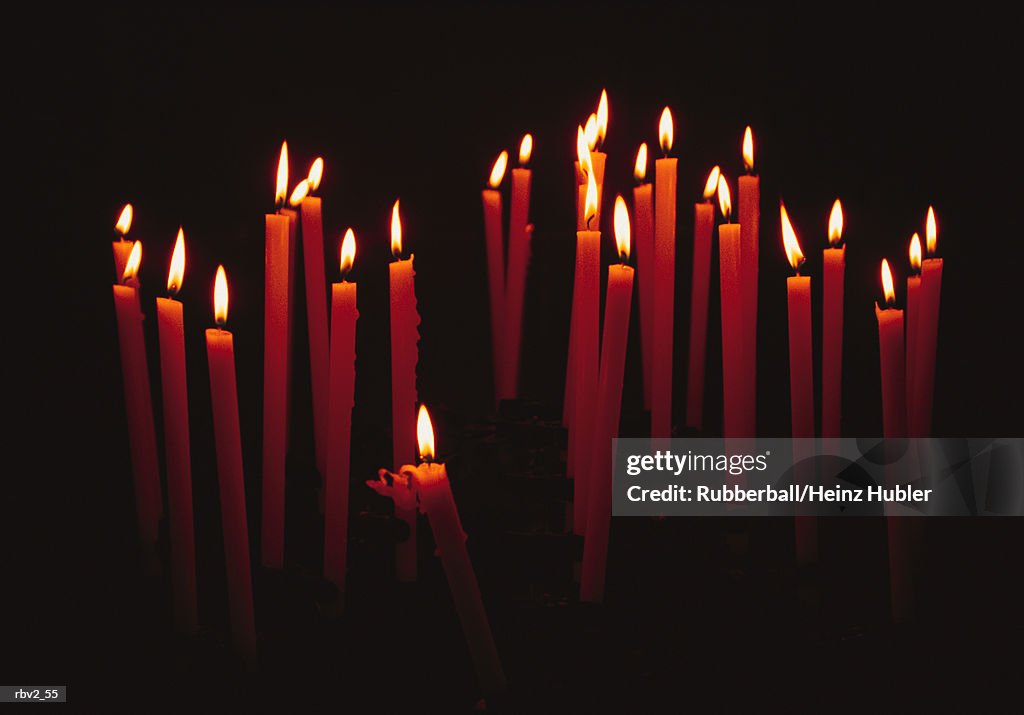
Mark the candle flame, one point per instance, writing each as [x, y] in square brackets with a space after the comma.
[915, 253]
[176, 274]
[602, 117]
[425, 434]
[348, 252]
[583, 151]
[124, 221]
[711, 185]
[931, 231]
[835, 224]
[525, 149]
[282, 176]
[316, 173]
[590, 131]
[299, 193]
[887, 285]
[396, 231]
[748, 149]
[498, 170]
[793, 253]
[131, 268]
[724, 198]
[640, 168]
[220, 297]
[621, 228]
[590, 205]
[665, 130]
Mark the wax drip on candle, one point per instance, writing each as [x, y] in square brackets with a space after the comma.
[724, 198]
[789, 241]
[124, 221]
[711, 185]
[348, 254]
[131, 268]
[665, 131]
[835, 225]
[220, 297]
[177, 271]
[748, 150]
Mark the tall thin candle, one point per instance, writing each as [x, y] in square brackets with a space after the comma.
[729, 248]
[749, 189]
[927, 334]
[913, 315]
[495, 242]
[832, 325]
[664, 282]
[519, 233]
[703, 228]
[643, 220]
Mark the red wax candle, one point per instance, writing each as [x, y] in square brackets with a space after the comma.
[224, 400]
[405, 337]
[170, 321]
[341, 381]
[584, 167]
[138, 402]
[496, 268]
[729, 248]
[122, 248]
[927, 335]
[664, 283]
[606, 419]
[832, 326]
[890, 340]
[913, 313]
[749, 190]
[643, 222]
[519, 234]
[430, 481]
[703, 227]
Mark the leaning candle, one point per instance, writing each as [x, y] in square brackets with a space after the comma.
[224, 400]
[927, 335]
[171, 324]
[606, 419]
[832, 325]
[122, 248]
[913, 316]
[664, 282]
[138, 401]
[750, 220]
[643, 219]
[430, 481]
[703, 227]
[405, 335]
[496, 268]
[276, 331]
[519, 233]
[316, 308]
[341, 387]
[729, 248]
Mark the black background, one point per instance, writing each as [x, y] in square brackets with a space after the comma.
[182, 114]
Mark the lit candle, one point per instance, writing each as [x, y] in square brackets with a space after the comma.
[609, 407]
[430, 481]
[596, 130]
[316, 306]
[496, 267]
[171, 325]
[122, 248]
[519, 233]
[220, 353]
[750, 223]
[703, 227]
[729, 249]
[643, 220]
[832, 325]
[890, 341]
[341, 381]
[138, 400]
[587, 308]
[664, 282]
[927, 334]
[405, 336]
[913, 314]
[801, 366]
[584, 168]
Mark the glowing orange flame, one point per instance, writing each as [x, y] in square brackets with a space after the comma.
[282, 176]
[525, 149]
[602, 117]
[583, 151]
[425, 434]
[220, 297]
[590, 205]
[621, 228]
[498, 170]
[665, 130]
[711, 185]
[300, 192]
[176, 274]
[748, 149]
[348, 252]
[590, 131]
[915, 253]
[124, 221]
[887, 286]
[793, 253]
[640, 168]
[835, 224]
[316, 173]
[396, 231]
[724, 198]
[931, 231]
[131, 268]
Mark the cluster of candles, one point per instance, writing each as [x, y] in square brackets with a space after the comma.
[594, 378]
